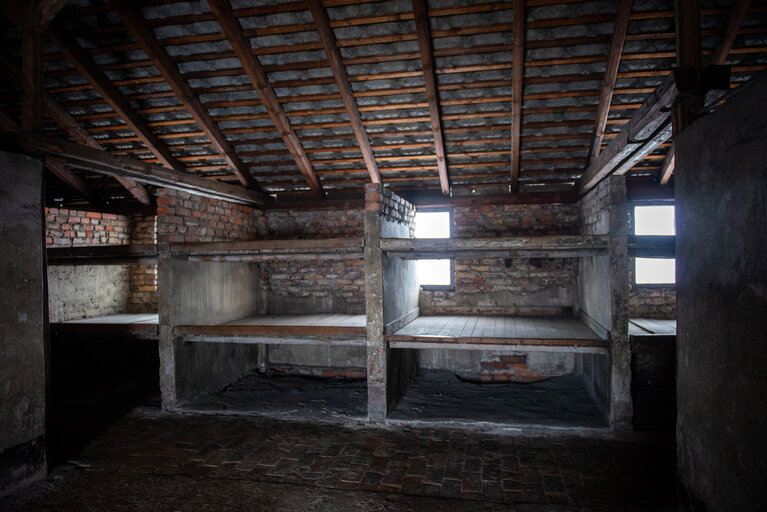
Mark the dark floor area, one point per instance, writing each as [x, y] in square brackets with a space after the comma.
[289, 396]
[439, 395]
[248, 463]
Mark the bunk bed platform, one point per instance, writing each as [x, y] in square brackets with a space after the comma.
[651, 327]
[504, 333]
[319, 329]
[141, 326]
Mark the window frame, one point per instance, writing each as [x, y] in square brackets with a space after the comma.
[632, 227]
[449, 210]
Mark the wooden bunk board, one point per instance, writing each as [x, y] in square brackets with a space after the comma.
[652, 330]
[142, 326]
[323, 329]
[493, 332]
[272, 250]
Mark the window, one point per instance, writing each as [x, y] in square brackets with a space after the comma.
[434, 274]
[652, 221]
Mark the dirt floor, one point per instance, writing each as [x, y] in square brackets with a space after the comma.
[187, 462]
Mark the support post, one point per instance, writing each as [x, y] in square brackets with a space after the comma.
[376, 346]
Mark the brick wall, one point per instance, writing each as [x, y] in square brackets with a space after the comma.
[391, 206]
[316, 286]
[659, 303]
[142, 297]
[67, 228]
[517, 285]
[183, 217]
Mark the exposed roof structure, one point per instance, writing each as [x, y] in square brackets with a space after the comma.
[315, 98]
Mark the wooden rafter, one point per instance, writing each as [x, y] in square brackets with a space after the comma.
[47, 11]
[611, 74]
[67, 123]
[85, 65]
[648, 128]
[233, 32]
[667, 169]
[518, 70]
[723, 47]
[328, 39]
[423, 31]
[103, 162]
[141, 31]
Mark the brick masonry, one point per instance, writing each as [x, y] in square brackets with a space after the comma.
[183, 217]
[143, 278]
[332, 285]
[68, 228]
[659, 303]
[532, 284]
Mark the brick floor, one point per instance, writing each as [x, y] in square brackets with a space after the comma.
[445, 464]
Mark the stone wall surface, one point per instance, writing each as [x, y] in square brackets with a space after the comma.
[68, 228]
[22, 321]
[721, 200]
[183, 217]
[511, 286]
[657, 303]
[87, 291]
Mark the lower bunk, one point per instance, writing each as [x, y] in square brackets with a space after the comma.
[310, 366]
[508, 370]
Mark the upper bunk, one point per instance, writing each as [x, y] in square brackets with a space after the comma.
[546, 246]
[126, 254]
[143, 326]
[270, 250]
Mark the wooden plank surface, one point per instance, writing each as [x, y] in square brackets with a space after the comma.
[276, 326]
[474, 329]
[650, 326]
[139, 318]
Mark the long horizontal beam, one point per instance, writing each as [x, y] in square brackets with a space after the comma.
[102, 162]
[644, 132]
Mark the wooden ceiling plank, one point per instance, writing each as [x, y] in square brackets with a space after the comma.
[103, 162]
[432, 94]
[620, 28]
[517, 83]
[233, 32]
[88, 68]
[344, 86]
[146, 38]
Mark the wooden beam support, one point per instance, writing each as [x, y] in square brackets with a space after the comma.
[611, 73]
[328, 39]
[432, 94]
[71, 180]
[85, 65]
[103, 162]
[31, 68]
[517, 83]
[47, 11]
[688, 58]
[667, 169]
[146, 38]
[647, 129]
[737, 15]
[80, 135]
[233, 32]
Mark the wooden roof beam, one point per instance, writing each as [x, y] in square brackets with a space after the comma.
[518, 71]
[233, 32]
[647, 129]
[85, 65]
[81, 136]
[344, 87]
[432, 95]
[146, 38]
[611, 73]
[103, 162]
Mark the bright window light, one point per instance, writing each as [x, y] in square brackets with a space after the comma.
[433, 225]
[654, 220]
[655, 271]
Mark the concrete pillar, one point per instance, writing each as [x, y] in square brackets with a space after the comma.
[23, 350]
[376, 346]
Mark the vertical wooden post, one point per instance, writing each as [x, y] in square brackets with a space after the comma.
[32, 68]
[688, 57]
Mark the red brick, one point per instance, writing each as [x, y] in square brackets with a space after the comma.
[93, 215]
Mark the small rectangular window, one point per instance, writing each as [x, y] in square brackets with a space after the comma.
[654, 220]
[434, 224]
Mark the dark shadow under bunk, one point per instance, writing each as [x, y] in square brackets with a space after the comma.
[439, 396]
[289, 396]
[137, 325]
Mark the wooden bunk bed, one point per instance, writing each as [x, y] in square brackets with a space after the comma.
[138, 326]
